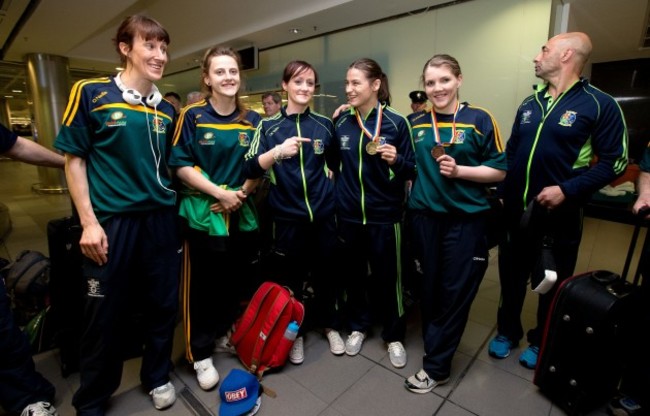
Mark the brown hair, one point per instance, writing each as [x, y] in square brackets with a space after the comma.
[213, 52]
[441, 60]
[295, 68]
[373, 71]
[138, 24]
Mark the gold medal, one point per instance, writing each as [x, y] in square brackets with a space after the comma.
[437, 151]
[371, 148]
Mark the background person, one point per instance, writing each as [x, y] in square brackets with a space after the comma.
[22, 388]
[272, 103]
[418, 102]
[219, 222]
[458, 151]
[297, 147]
[556, 134]
[175, 100]
[121, 188]
[193, 97]
[377, 159]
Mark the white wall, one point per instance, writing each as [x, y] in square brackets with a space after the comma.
[495, 42]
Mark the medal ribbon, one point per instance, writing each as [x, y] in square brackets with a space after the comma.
[434, 126]
[372, 136]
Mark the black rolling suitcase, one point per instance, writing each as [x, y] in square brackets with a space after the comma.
[591, 322]
[66, 289]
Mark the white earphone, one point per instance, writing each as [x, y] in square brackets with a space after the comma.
[134, 97]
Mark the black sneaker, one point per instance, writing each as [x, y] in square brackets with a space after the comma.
[624, 406]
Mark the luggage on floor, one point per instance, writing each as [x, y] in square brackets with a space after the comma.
[590, 326]
[27, 280]
[66, 289]
[259, 335]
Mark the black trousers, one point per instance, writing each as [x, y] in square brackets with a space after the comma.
[144, 252]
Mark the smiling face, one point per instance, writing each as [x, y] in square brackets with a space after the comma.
[223, 76]
[361, 92]
[441, 86]
[300, 90]
[146, 58]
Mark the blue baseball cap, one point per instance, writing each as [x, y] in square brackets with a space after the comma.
[239, 393]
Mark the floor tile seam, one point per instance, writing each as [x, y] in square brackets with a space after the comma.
[191, 400]
[463, 372]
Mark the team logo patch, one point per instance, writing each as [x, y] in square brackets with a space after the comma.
[525, 117]
[158, 125]
[117, 119]
[460, 136]
[208, 139]
[345, 142]
[382, 140]
[419, 136]
[568, 118]
[319, 146]
[94, 289]
[244, 141]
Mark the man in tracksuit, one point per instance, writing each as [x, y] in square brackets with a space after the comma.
[551, 168]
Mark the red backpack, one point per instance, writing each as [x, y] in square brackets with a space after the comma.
[258, 337]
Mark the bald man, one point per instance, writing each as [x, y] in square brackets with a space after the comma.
[557, 132]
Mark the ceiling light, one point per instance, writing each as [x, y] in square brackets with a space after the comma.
[294, 31]
[17, 91]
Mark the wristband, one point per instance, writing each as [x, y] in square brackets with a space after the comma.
[277, 154]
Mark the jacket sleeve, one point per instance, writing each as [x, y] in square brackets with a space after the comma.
[610, 144]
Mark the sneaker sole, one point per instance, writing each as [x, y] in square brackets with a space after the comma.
[337, 352]
[352, 354]
[398, 366]
[526, 365]
[500, 357]
[296, 362]
[418, 390]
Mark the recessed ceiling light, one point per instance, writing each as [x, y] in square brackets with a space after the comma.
[294, 31]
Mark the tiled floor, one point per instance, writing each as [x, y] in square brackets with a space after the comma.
[326, 385]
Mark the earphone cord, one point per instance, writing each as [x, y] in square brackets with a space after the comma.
[156, 158]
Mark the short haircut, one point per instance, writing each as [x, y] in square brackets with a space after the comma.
[275, 95]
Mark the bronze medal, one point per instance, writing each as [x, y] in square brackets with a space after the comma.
[437, 151]
[371, 148]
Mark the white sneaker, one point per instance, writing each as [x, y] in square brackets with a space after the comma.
[206, 374]
[337, 346]
[354, 343]
[397, 354]
[223, 345]
[297, 353]
[163, 396]
[39, 409]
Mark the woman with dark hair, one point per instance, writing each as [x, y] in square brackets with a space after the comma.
[296, 145]
[114, 135]
[377, 159]
[219, 221]
[458, 151]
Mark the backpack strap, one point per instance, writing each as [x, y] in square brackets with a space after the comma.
[279, 304]
[248, 318]
[27, 267]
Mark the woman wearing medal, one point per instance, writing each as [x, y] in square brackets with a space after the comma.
[376, 161]
[458, 151]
